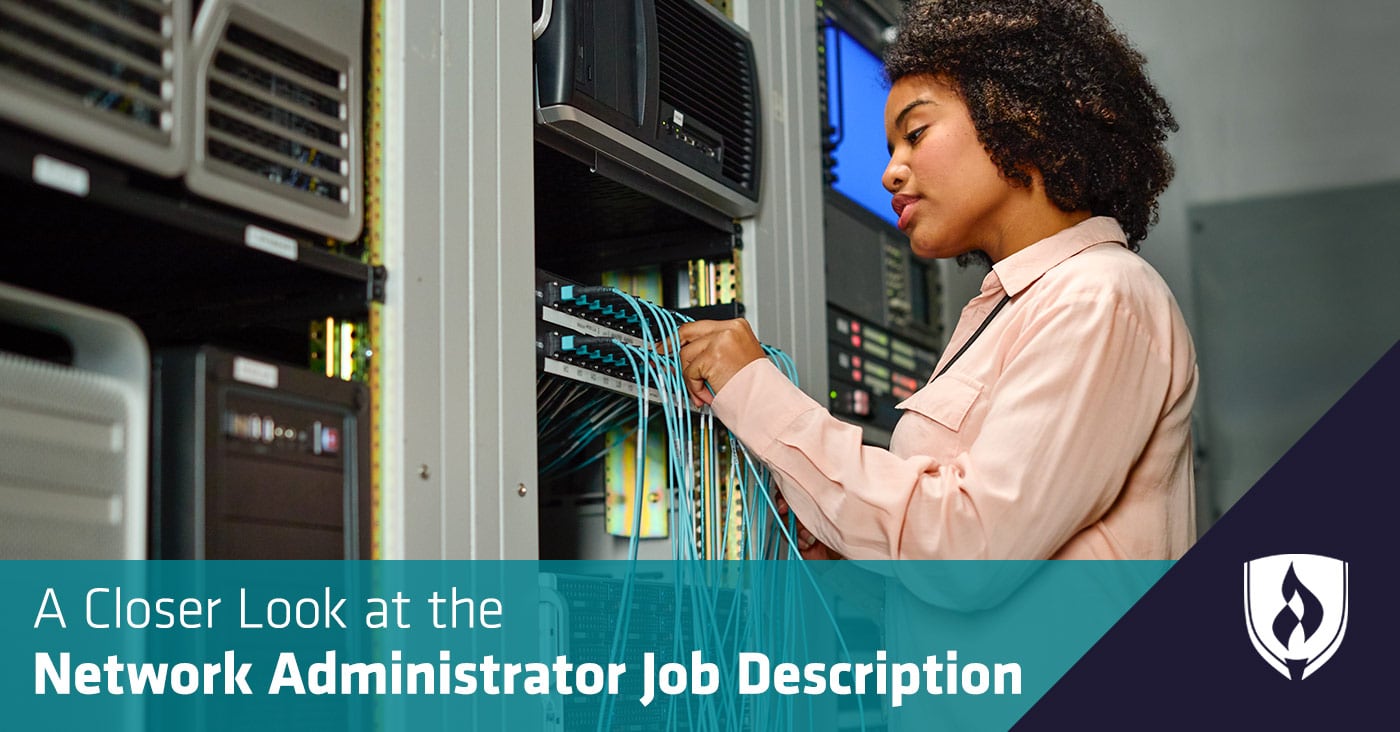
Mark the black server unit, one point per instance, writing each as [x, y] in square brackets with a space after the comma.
[883, 318]
[253, 460]
[667, 87]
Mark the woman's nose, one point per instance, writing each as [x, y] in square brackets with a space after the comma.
[896, 173]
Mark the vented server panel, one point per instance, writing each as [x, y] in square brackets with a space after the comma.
[105, 75]
[708, 103]
[257, 461]
[72, 431]
[276, 123]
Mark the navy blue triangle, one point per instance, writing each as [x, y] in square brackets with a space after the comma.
[1182, 658]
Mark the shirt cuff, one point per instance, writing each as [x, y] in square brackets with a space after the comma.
[758, 403]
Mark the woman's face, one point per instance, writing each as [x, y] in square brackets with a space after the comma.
[950, 197]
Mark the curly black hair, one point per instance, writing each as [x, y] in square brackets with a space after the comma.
[1051, 87]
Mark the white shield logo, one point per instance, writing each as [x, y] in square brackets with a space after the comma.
[1295, 606]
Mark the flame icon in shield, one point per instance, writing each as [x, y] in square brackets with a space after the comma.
[1295, 609]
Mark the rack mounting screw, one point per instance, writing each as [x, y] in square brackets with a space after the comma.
[521, 490]
[423, 471]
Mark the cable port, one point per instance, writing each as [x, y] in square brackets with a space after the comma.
[604, 355]
[590, 346]
[602, 305]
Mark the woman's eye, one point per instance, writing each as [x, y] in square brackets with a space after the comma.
[913, 135]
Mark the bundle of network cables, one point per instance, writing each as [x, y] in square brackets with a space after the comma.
[720, 498]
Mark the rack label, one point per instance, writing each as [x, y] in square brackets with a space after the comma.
[253, 372]
[63, 176]
[271, 242]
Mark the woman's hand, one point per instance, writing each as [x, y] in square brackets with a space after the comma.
[712, 351]
[807, 544]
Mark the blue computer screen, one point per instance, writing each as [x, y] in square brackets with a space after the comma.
[856, 93]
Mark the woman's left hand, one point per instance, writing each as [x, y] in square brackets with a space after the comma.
[712, 351]
[808, 545]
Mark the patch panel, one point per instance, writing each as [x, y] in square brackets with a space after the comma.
[579, 327]
[596, 311]
[595, 360]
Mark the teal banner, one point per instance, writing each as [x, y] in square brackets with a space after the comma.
[547, 645]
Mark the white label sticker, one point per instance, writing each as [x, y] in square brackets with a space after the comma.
[270, 242]
[66, 177]
[677, 118]
[256, 373]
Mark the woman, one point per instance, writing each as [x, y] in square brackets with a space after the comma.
[1023, 133]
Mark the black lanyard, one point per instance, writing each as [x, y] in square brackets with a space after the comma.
[976, 333]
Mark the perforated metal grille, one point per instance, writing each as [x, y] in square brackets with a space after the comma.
[279, 114]
[63, 462]
[707, 73]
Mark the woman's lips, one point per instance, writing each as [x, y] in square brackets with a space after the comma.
[904, 207]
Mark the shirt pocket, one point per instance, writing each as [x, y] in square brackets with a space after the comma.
[947, 400]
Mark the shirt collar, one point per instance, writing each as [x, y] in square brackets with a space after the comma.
[1022, 269]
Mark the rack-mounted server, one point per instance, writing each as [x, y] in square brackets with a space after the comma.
[884, 318]
[667, 87]
[255, 460]
[256, 103]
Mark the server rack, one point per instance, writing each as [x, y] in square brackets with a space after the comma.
[102, 223]
[450, 264]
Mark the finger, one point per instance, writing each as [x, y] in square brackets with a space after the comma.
[695, 330]
[687, 353]
[672, 345]
[699, 391]
[694, 368]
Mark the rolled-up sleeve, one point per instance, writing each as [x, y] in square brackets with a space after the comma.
[1079, 389]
